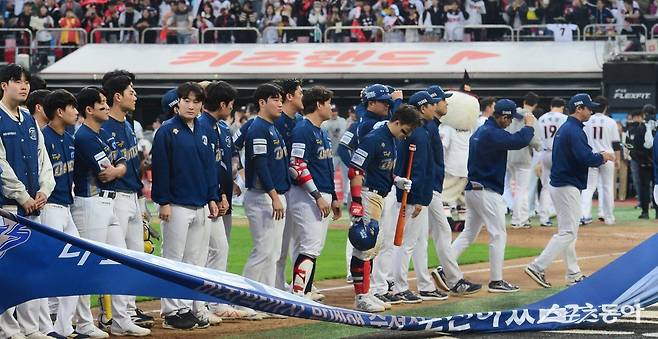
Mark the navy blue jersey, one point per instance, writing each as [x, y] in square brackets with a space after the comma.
[572, 156]
[227, 153]
[422, 168]
[61, 152]
[126, 140]
[285, 124]
[368, 122]
[184, 167]
[376, 156]
[93, 150]
[487, 154]
[432, 128]
[21, 143]
[266, 158]
[348, 143]
[240, 134]
[312, 144]
[210, 123]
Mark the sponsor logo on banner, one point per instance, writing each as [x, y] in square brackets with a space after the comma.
[632, 96]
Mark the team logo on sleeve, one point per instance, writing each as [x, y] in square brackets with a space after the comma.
[33, 133]
[204, 139]
[12, 236]
[175, 131]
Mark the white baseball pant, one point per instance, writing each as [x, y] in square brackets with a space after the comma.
[59, 217]
[521, 177]
[286, 252]
[655, 193]
[382, 265]
[567, 205]
[9, 326]
[487, 208]
[185, 239]
[266, 235]
[218, 244]
[129, 213]
[603, 178]
[415, 231]
[546, 208]
[309, 227]
[441, 233]
[95, 219]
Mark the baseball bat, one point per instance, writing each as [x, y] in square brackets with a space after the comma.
[402, 216]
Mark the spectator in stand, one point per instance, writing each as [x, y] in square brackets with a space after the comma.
[578, 14]
[111, 20]
[270, 19]
[287, 20]
[70, 4]
[455, 20]
[411, 18]
[536, 12]
[554, 11]
[336, 20]
[247, 18]
[391, 16]
[149, 19]
[433, 16]
[92, 21]
[53, 11]
[181, 21]
[367, 18]
[517, 12]
[165, 11]
[318, 18]
[224, 19]
[69, 40]
[128, 18]
[602, 15]
[476, 9]
[203, 21]
[44, 38]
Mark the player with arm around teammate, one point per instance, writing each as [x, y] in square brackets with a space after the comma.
[312, 196]
[186, 188]
[602, 136]
[572, 157]
[371, 178]
[487, 158]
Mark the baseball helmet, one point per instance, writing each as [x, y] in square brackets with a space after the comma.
[364, 236]
[169, 100]
[376, 92]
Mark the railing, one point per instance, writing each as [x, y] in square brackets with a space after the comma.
[543, 30]
[60, 48]
[653, 31]
[608, 30]
[486, 27]
[126, 34]
[228, 29]
[439, 28]
[350, 28]
[22, 43]
[193, 34]
[285, 29]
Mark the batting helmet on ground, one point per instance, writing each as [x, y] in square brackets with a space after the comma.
[364, 236]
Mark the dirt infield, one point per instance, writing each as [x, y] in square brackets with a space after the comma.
[597, 246]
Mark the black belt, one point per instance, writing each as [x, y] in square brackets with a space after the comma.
[477, 188]
[107, 194]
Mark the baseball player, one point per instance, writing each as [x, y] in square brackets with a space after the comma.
[602, 136]
[267, 180]
[336, 127]
[218, 105]
[487, 109]
[285, 123]
[447, 277]
[487, 157]
[371, 178]
[60, 107]
[519, 167]
[548, 125]
[121, 97]
[572, 157]
[34, 104]
[97, 167]
[416, 224]
[27, 182]
[186, 188]
[312, 196]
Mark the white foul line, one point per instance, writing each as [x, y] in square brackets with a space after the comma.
[481, 270]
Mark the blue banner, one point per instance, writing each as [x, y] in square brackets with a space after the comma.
[37, 261]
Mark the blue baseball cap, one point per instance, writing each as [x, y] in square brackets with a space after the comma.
[437, 93]
[377, 92]
[581, 99]
[507, 107]
[169, 100]
[421, 98]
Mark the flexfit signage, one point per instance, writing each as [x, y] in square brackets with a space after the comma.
[329, 60]
[631, 96]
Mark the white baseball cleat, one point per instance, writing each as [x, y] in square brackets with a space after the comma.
[363, 302]
[231, 313]
[96, 333]
[131, 330]
[38, 335]
[385, 304]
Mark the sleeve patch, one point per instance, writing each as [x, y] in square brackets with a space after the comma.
[260, 149]
[361, 152]
[359, 157]
[260, 142]
[346, 138]
[297, 150]
[236, 135]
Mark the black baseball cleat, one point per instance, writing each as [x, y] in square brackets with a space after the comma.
[142, 319]
[178, 322]
[465, 287]
[502, 286]
[538, 277]
[433, 295]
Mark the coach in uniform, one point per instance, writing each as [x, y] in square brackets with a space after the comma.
[487, 157]
[572, 157]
